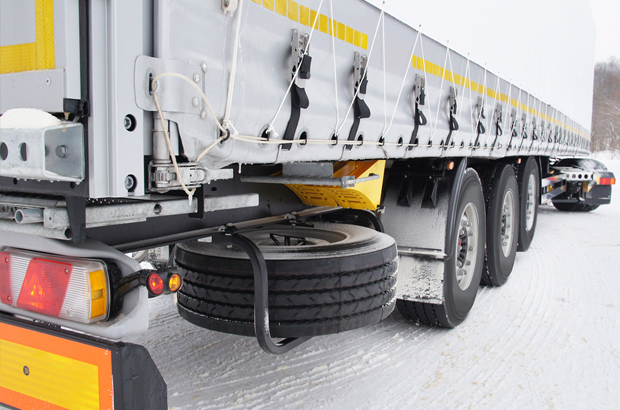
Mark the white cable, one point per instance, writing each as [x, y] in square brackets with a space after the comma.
[233, 68]
[288, 89]
[365, 71]
[210, 147]
[384, 80]
[331, 10]
[402, 86]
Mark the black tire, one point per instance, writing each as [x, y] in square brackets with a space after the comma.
[343, 281]
[574, 207]
[529, 193]
[501, 192]
[458, 298]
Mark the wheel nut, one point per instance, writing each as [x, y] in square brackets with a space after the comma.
[468, 263]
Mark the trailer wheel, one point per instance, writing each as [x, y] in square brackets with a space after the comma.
[574, 207]
[502, 225]
[322, 280]
[529, 191]
[463, 265]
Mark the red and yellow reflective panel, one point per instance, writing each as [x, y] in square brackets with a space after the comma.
[40, 371]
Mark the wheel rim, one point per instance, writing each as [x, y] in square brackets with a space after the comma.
[282, 237]
[507, 224]
[530, 205]
[467, 246]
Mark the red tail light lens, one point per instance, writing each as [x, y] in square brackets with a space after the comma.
[45, 286]
[68, 288]
[155, 284]
[607, 181]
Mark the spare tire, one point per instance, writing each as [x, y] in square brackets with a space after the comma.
[322, 279]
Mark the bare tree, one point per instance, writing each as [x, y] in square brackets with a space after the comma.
[606, 106]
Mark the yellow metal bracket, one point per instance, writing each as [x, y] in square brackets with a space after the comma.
[364, 195]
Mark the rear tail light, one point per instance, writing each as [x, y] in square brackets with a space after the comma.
[607, 181]
[175, 282]
[155, 284]
[67, 288]
[161, 281]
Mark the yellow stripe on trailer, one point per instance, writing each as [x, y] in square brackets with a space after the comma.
[33, 56]
[308, 17]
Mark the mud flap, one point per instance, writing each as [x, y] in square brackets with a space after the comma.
[422, 228]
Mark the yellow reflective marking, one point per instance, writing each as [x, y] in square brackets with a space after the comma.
[304, 15]
[33, 56]
[268, 4]
[281, 7]
[321, 22]
[333, 28]
[349, 35]
[342, 31]
[293, 10]
[80, 381]
[314, 19]
[357, 39]
[324, 24]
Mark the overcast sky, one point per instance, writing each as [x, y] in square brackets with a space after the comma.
[606, 16]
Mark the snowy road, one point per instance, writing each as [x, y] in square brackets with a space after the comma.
[548, 339]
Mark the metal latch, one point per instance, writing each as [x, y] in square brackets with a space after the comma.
[300, 58]
[452, 98]
[360, 108]
[360, 64]
[419, 89]
[164, 177]
[497, 120]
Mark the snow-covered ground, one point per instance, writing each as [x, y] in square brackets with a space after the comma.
[548, 339]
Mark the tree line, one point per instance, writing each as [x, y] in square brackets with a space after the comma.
[606, 106]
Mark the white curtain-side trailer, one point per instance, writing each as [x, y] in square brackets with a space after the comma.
[289, 169]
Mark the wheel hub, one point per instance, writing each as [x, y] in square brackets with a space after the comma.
[530, 206]
[467, 246]
[507, 224]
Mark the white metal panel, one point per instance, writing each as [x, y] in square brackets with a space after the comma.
[17, 22]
